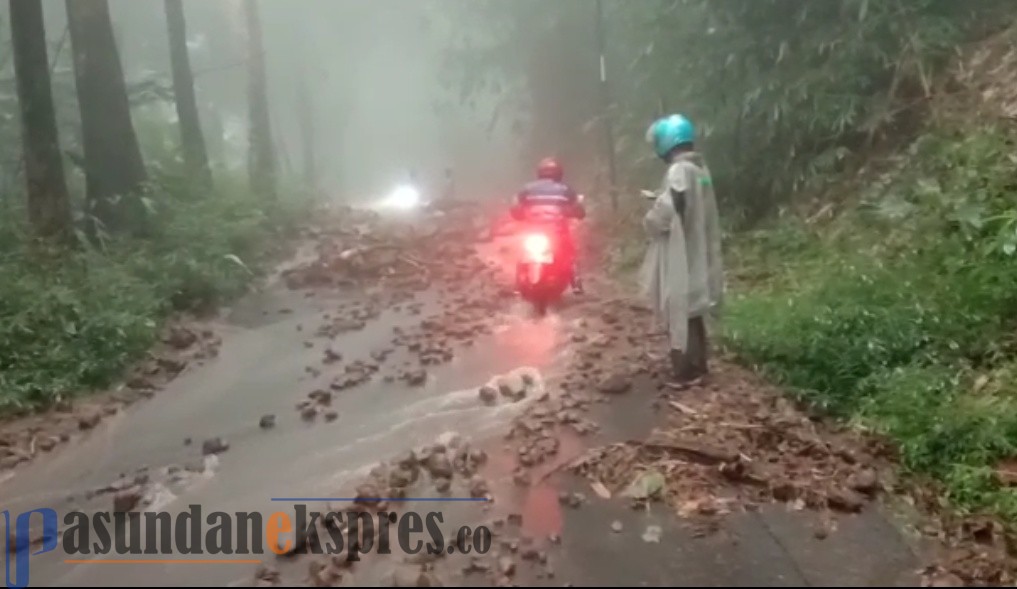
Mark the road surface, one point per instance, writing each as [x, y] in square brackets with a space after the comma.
[271, 357]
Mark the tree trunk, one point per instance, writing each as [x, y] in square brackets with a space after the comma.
[114, 168]
[49, 209]
[191, 138]
[261, 162]
[306, 114]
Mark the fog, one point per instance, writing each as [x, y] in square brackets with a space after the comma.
[377, 92]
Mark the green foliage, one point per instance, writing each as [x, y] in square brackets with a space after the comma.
[784, 89]
[901, 313]
[71, 322]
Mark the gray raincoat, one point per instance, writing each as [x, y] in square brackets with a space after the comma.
[683, 275]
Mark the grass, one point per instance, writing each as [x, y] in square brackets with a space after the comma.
[901, 314]
[72, 322]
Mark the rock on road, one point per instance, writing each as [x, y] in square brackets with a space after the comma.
[373, 342]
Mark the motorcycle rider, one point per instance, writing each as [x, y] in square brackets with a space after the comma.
[550, 190]
[683, 272]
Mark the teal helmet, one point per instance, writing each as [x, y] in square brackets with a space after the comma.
[669, 132]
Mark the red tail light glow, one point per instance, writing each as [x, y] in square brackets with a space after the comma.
[537, 245]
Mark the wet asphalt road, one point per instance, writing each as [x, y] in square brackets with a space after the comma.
[261, 369]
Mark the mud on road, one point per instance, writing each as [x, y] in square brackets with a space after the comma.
[391, 359]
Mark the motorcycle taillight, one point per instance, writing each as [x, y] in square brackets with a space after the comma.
[537, 245]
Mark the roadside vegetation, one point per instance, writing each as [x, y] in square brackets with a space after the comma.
[113, 215]
[899, 314]
[72, 319]
[864, 152]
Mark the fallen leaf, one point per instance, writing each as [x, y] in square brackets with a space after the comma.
[600, 490]
[652, 535]
[688, 508]
[683, 408]
[647, 485]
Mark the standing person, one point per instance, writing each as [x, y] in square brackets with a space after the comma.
[683, 272]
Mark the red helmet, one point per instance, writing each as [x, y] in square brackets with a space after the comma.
[550, 169]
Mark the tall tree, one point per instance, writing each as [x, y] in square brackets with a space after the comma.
[261, 162]
[192, 139]
[114, 168]
[49, 209]
[306, 114]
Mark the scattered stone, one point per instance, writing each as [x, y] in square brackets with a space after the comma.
[616, 526]
[331, 415]
[402, 477]
[323, 574]
[416, 378]
[944, 579]
[267, 574]
[366, 494]
[442, 484]
[140, 383]
[48, 443]
[89, 419]
[506, 566]
[573, 500]
[521, 477]
[214, 446]
[488, 394]
[408, 460]
[478, 487]
[615, 385]
[512, 386]
[477, 565]
[412, 576]
[450, 440]
[477, 456]
[864, 481]
[127, 499]
[181, 338]
[439, 465]
[12, 460]
[308, 413]
[172, 366]
[845, 500]
[267, 421]
[784, 491]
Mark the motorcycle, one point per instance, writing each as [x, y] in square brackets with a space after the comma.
[544, 271]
